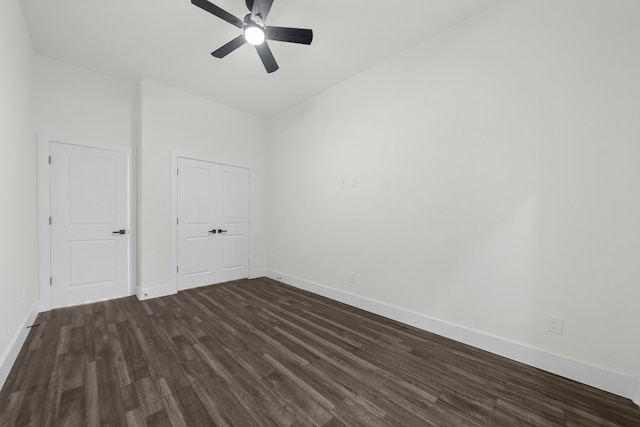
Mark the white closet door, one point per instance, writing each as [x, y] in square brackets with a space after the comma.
[197, 217]
[233, 214]
[213, 223]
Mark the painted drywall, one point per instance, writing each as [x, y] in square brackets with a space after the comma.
[83, 106]
[496, 180]
[18, 245]
[171, 119]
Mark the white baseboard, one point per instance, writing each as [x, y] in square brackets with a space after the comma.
[257, 273]
[155, 292]
[44, 305]
[603, 379]
[11, 354]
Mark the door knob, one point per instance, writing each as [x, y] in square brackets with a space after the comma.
[221, 231]
[214, 231]
[120, 232]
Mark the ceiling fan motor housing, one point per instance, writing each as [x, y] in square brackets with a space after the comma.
[257, 21]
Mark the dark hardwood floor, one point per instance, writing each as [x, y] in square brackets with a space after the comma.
[256, 352]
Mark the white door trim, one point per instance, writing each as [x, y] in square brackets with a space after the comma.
[175, 154]
[44, 212]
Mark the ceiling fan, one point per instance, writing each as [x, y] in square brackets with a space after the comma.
[255, 32]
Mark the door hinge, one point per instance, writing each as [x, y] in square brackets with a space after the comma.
[177, 269]
[49, 159]
[49, 220]
[50, 281]
[177, 171]
[177, 220]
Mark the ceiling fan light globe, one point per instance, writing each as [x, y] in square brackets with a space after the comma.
[254, 35]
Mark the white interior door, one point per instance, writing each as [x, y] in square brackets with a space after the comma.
[213, 223]
[89, 224]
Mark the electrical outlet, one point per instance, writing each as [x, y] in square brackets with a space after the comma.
[556, 325]
[352, 277]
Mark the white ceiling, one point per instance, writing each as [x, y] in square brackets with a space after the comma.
[170, 41]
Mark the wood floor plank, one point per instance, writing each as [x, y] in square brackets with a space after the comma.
[148, 397]
[173, 412]
[135, 418]
[259, 353]
[238, 381]
[11, 408]
[191, 408]
[352, 414]
[109, 395]
[221, 403]
[31, 410]
[319, 392]
[90, 389]
[523, 413]
[394, 414]
[305, 407]
[51, 406]
[474, 411]
[71, 408]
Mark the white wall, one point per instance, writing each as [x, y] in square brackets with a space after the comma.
[498, 179]
[83, 106]
[18, 268]
[175, 120]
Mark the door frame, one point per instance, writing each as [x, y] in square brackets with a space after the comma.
[173, 241]
[44, 212]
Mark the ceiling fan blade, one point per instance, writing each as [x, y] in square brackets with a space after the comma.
[229, 47]
[268, 60]
[220, 13]
[291, 35]
[260, 11]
